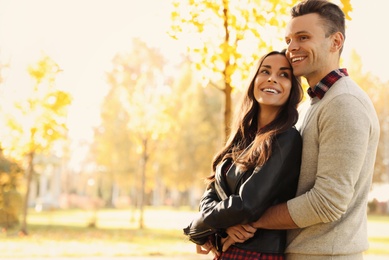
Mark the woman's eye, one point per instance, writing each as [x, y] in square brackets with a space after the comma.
[264, 71]
[284, 74]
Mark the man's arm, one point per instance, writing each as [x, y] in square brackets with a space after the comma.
[276, 217]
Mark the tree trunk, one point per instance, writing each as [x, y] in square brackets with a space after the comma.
[30, 172]
[227, 111]
[227, 79]
[143, 182]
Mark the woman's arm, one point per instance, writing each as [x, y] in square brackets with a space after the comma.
[276, 181]
[197, 231]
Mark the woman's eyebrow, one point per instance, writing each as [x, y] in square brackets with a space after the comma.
[282, 68]
[285, 68]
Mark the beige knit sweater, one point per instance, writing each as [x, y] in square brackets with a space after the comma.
[340, 137]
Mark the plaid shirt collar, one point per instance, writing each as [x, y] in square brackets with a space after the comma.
[326, 83]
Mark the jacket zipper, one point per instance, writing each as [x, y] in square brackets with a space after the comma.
[201, 233]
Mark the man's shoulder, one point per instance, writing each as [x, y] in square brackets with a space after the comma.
[347, 85]
[347, 89]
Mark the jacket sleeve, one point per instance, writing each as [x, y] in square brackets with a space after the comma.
[275, 182]
[197, 231]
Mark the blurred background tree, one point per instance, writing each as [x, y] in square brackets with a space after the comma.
[37, 121]
[139, 122]
[379, 94]
[157, 129]
[10, 199]
[194, 138]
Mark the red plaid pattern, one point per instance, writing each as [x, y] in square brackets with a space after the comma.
[324, 85]
[234, 253]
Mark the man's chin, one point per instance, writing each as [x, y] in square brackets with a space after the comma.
[298, 73]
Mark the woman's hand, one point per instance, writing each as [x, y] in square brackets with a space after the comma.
[238, 234]
[206, 248]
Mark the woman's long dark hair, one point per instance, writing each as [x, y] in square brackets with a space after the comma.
[245, 129]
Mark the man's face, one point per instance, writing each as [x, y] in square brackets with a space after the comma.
[308, 47]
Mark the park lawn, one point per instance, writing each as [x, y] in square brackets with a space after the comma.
[60, 241]
[378, 228]
[66, 234]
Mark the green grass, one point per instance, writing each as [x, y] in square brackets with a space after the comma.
[82, 241]
[66, 234]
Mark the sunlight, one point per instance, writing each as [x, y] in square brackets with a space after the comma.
[83, 37]
[83, 40]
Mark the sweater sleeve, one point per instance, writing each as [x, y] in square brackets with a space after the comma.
[343, 128]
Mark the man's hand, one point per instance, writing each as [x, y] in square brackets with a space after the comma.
[237, 234]
[276, 217]
[241, 233]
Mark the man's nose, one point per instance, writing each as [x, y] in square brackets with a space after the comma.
[293, 46]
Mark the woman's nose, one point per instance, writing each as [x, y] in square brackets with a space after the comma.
[270, 79]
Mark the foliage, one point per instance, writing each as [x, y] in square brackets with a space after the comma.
[10, 198]
[347, 8]
[138, 84]
[194, 136]
[112, 149]
[167, 120]
[38, 120]
[225, 38]
[11, 208]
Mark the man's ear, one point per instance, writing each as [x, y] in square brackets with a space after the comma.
[337, 41]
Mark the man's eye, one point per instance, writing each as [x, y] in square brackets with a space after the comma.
[303, 38]
[287, 41]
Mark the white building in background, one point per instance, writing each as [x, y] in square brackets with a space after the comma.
[45, 189]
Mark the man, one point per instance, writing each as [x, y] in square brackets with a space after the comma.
[340, 131]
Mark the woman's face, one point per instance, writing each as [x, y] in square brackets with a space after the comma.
[273, 82]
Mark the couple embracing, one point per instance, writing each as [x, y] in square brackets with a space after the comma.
[278, 192]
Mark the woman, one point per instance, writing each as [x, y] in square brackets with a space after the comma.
[258, 167]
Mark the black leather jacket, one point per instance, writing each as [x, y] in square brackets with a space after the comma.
[242, 197]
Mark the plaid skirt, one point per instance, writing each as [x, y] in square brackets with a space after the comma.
[234, 253]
